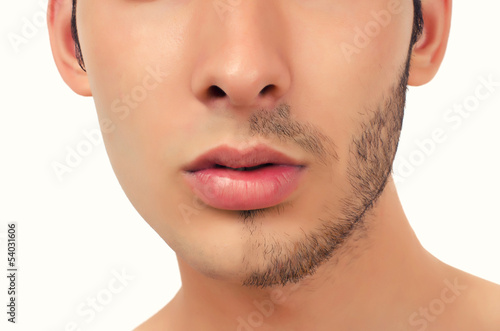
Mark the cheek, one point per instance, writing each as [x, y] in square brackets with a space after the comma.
[123, 41]
[135, 57]
[135, 69]
[351, 65]
[377, 47]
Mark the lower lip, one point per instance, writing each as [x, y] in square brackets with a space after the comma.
[245, 190]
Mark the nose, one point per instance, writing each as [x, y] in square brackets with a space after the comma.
[241, 57]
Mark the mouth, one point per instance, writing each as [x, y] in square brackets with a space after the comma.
[259, 177]
[240, 160]
[218, 166]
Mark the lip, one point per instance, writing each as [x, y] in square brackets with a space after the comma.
[212, 180]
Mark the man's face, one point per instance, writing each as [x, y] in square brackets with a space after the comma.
[174, 79]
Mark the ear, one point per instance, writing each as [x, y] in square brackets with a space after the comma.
[63, 46]
[428, 52]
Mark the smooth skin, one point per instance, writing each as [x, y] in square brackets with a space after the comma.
[174, 78]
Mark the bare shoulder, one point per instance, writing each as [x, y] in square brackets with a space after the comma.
[488, 303]
[478, 304]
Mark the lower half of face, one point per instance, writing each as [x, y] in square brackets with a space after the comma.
[339, 111]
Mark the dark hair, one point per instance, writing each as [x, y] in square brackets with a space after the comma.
[74, 34]
[418, 24]
[418, 21]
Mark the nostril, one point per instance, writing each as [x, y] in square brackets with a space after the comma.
[267, 89]
[216, 92]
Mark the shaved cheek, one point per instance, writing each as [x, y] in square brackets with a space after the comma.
[381, 61]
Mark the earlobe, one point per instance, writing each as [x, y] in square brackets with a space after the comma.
[428, 52]
[63, 46]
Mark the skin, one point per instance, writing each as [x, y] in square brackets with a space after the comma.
[339, 252]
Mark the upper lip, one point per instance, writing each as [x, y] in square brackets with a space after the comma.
[234, 158]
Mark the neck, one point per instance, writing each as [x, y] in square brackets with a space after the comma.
[376, 279]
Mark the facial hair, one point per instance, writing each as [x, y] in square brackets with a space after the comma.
[371, 155]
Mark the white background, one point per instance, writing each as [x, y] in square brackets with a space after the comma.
[73, 234]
